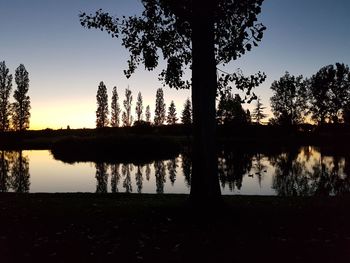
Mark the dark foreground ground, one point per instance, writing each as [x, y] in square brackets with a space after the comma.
[165, 228]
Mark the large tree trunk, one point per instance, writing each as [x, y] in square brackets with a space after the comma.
[205, 183]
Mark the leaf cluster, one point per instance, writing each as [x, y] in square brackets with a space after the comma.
[165, 27]
[227, 81]
[102, 106]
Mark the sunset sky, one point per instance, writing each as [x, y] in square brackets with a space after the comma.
[66, 62]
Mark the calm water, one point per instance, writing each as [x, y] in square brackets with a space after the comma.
[304, 171]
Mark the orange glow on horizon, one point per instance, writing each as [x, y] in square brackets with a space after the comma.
[81, 114]
[57, 116]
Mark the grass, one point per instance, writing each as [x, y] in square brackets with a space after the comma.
[253, 134]
[165, 228]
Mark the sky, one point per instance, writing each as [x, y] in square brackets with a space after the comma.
[66, 62]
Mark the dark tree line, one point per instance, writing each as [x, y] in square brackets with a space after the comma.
[325, 97]
[124, 117]
[14, 115]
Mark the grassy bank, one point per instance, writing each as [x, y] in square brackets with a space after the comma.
[164, 228]
[45, 139]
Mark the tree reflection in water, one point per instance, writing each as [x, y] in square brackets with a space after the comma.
[159, 173]
[148, 171]
[290, 177]
[186, 168]
[304, 173]
[139, 178]
[101, 177]
[126, 169]
[20, 177]
[172, 165]
[293, 172]
[258, 167]
[329, 178]
[232, 165]
[115, 177]
[4, 172]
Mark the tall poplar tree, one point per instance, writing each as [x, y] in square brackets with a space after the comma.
[21, 106]
[5, 92]
[115, 109]
[139, 107]
[186, 117]
[102, 106]
[148, 114]
[171, 118]
[127, 118]
[159, 112]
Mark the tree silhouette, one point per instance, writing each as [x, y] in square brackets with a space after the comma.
[171, 118]
[346, 114]
[329, 92]
[5, 91]
[258, 112]
[148, 114]
[288, 102]
[159, 112]
[222, 113]
[339, 92]
[248, 116]
[102, 106]
[127, 118]
[230, 109]
[191, 34]
[139, 107]
[186, 117]
[21, 106]
[115, 108]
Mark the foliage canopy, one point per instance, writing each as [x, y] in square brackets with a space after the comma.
[164, 31]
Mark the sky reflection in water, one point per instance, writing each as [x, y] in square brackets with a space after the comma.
[303, 171]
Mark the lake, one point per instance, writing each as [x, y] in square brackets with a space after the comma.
[299, 172]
